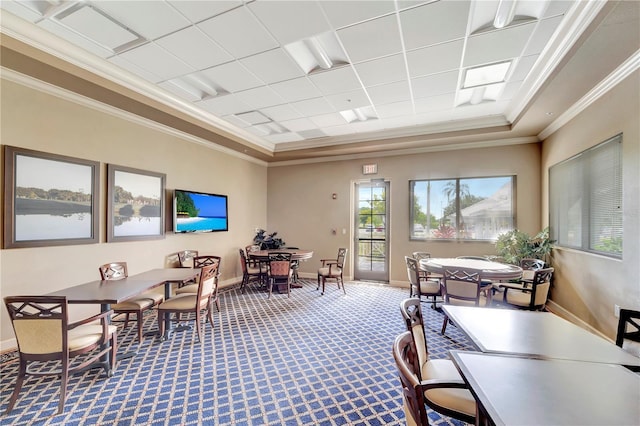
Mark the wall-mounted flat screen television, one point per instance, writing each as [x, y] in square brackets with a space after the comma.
[199, 212]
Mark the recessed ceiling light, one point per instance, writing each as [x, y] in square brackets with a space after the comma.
[317, 53]
[486, 74]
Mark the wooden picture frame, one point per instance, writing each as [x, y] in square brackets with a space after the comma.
[49, 199]
[135, 204]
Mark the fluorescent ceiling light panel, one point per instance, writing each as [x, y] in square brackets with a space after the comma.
[486, 74]
[359, 114]
[317, 53]
[253, 117]
[505, 13]
[272, 128]
[98, 27]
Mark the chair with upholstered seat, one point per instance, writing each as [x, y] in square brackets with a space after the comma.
[422, 285]
[199, 262]
[249, 272]
[191, 303]
[44, 334]
[434, 382]
[186, 258]
[332, 269]
[280, 271]
[628, 336]
[529, 266]
[463, 286]
[136, 305]
[528, 295]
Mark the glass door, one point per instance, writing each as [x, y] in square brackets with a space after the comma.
[371, 231]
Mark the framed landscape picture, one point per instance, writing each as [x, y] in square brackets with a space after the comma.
[49, 199]
[135, 204]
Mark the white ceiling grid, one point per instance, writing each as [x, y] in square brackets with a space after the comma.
[397, 64]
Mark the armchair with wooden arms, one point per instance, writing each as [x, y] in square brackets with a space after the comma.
[528, 295]
[199, 262]
[434, 382]
[628, 336]
[332, 269]
[421, 285]
[463, 286]
[44, 334]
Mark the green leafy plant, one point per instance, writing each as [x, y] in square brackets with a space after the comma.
[516, 245]
[267, 241]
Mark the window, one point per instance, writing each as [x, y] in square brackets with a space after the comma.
[585, 200]
[462, 209]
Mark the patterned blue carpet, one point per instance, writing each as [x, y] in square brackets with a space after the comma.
[306, 360]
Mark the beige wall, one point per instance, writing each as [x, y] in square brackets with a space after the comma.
[588, 285]
[301, 210]
[36, 120]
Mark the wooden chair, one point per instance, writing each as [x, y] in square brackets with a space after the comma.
[529, 266]
[250, 272]
[525, 295]
[199, 262]
[280, 271]
[186, 258]
[136, 305]
[332, 269]
[463, 286]
[191, 303]
[434, 382]
[44, 333]
[421, 285]
[628, 336]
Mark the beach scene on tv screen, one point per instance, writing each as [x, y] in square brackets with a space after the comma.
[200, 212]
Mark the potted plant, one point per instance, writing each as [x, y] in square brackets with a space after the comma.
[515, 245]
[267, 241]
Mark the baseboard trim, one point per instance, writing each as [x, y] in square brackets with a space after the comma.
[563, 313]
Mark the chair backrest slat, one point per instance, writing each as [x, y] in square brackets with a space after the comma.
[462, 286]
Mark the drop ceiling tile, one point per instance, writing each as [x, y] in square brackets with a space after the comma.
[390, 93]
[435, 59]
[157, 60]
[22, 10]
[224, 105]
[367, 126]
[290, 21]
[299, 125]
[198, 10]
[316, 106]
[435, 103]
[541, 36]
[395, 109]
[523, 67]
[371, 39]
[273, 66]
[339, 130]
[434, 23]
[328, 120]
[235, 121]
[232, 76]
[281, 112]
[194, 48]
[126, 65]
[349, 100]
[436, 84]
[510, 90]
[253, 117]
[260, 97]
[74, 38]
[336, 81]
[296, 89]
[344, 13]
[383, 70]
[136, 15]
[498, 45]
[312, 134]
[181, 91]
[283, 137]
[252, 38]
[557, 7]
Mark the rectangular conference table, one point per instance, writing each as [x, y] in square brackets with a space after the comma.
[513, 390]
[111, 292]
[536, 334]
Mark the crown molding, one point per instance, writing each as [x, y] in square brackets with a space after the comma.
[50, 89]
[564, 39]
[625, 69]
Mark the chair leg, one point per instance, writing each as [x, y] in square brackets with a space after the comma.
[161, 323]
[198, 326]
[126, 320]
[22, 371]
[324, 282]
[343, 289]
[444, 324]
[114, 351]
[63, 384]
[270, 288]
[139, 317]
[318, 288]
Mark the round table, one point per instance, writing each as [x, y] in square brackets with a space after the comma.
[296, 254]
[489, 270]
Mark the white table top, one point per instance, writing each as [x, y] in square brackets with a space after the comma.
[540, 334]
[526, 391]
[489, 270]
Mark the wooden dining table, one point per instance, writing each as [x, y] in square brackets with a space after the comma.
[516, 390]
[109, 292]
